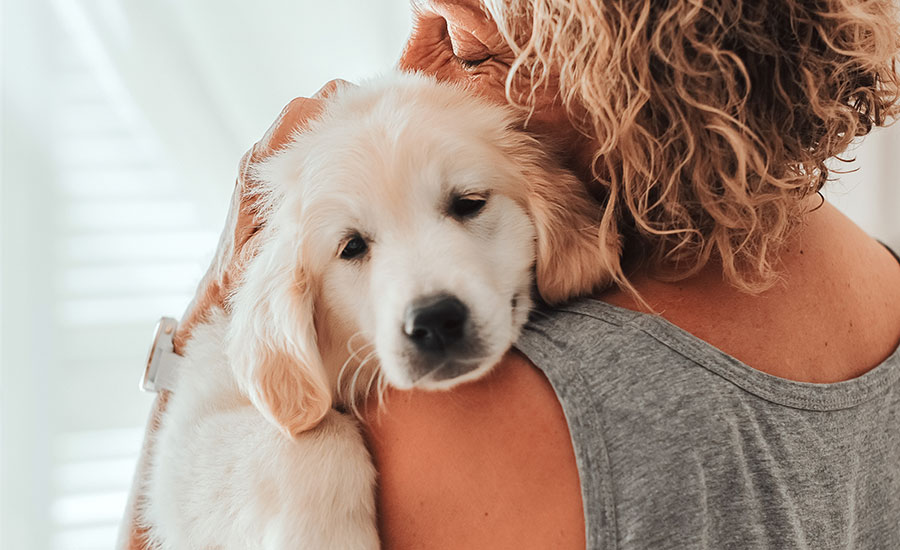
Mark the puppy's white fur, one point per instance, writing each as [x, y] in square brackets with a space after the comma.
[223, 477]
[310, 328]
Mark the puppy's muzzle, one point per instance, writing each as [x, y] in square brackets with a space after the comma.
[436, 325]
[443, 341]
[440, 333]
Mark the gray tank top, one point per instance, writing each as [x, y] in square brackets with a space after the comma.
[682, 446]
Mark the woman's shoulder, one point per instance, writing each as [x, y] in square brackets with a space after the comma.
[488, 465]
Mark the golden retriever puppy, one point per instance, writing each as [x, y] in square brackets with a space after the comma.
[406, 231]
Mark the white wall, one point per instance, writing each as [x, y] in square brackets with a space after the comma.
[122, 125]
[869, 191]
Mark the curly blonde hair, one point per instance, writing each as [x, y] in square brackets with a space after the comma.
[713, 119]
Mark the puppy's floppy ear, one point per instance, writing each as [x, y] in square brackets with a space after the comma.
[578, 243]
[272, 344]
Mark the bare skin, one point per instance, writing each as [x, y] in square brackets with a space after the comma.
[490, 464]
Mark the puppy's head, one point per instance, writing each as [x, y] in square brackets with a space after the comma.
[410, 220]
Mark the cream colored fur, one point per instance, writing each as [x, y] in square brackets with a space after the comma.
[223, 477]
[252, 452]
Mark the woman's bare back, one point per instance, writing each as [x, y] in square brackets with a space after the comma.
[835, 315]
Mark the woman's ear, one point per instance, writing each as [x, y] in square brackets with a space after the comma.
[272, 340]
[578, 244]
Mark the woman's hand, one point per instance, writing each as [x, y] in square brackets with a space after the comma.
[236, 245]
[457, 41]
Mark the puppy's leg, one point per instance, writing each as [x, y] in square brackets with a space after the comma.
[319, 490]
[224, 477]
[239, 484]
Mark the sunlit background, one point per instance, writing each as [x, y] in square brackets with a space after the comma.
[122, 125]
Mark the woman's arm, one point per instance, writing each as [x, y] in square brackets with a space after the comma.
[235, 249]
[488, 465]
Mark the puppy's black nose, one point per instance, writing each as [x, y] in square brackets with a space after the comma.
[436, 323]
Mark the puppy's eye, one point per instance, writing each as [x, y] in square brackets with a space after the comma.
[467, 206]
[354, 248]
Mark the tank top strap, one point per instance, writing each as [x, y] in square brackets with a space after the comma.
[891, 250]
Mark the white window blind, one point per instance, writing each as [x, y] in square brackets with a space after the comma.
[126, 246]
[113, 239]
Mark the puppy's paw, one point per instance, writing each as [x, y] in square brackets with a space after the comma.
[322, 494]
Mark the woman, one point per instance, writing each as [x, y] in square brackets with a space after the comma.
[760, 407]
